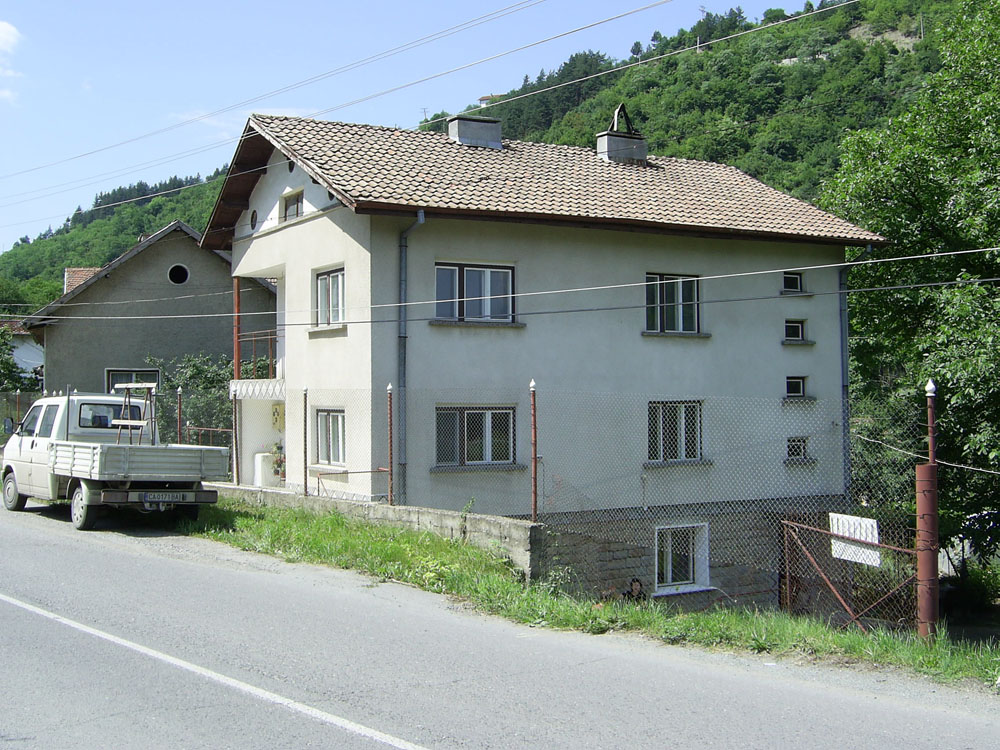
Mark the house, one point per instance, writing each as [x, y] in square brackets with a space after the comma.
[682, 321]
[163, 298]
[27, 353]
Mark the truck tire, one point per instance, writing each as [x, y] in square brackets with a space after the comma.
[12, 499]
[82, 515]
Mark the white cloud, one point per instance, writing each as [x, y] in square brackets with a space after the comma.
[8, 73]
[6, 95]
[9, 37]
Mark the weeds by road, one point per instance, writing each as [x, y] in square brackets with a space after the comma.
[487, 580]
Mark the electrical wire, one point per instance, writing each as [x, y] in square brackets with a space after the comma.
[492, 16]
[917, 455]
[412, 83]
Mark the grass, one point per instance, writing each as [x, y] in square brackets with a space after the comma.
[487, 580]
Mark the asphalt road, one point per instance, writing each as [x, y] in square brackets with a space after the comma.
[131, 636]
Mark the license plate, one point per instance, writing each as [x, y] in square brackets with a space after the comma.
[163, 497]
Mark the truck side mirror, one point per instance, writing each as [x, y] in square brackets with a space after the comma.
[8, 426]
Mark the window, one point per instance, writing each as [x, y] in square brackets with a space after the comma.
[329, 436]
[101, 415]
[116, 377]
[674, 430]
[483, 293]
[330, 297]
[29, 422]
[795, 330]
[671, 303]
[792, 282]
[797, 448]
[48, 420]
[253, 219]
[291, 206]
[681, 558]
[474, 435]
[178, 274]
[795, 387]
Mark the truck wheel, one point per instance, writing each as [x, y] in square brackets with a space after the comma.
[82, 515]
[12, 499]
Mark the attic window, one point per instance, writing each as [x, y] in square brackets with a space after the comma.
[291, 206]
[178, 274]
[253, 220]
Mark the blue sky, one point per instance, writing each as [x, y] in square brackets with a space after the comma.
[78, 77]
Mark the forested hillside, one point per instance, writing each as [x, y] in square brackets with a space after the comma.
[774, 103]
[31, 272]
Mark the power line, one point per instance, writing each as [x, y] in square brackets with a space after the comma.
[468, 65]
[672, 53]
[519, 314]
[493, 15]
[917, 455]
[402, 86]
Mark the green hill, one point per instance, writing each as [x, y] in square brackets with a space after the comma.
[31, 272]
[774, 103]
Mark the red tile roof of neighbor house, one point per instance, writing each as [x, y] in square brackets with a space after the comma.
[73, 277]
[373, 168]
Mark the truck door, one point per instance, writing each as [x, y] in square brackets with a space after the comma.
[19, 447]
[39, 453]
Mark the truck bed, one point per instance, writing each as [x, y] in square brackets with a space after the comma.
[138, 463]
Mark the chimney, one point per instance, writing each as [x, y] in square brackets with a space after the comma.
[624, 146]
[475, 131]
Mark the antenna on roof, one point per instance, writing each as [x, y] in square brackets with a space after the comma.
[620, 111]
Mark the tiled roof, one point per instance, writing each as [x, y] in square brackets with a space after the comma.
[73, 277]
[373, 167]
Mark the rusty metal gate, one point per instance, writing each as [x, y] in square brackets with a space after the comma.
[847, 576]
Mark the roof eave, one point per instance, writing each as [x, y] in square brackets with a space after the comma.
[621, 224]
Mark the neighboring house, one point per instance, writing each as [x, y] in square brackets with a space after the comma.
[468, 232]
[28, 353]
[164, 298]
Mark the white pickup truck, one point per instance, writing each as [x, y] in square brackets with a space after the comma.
[82, 448]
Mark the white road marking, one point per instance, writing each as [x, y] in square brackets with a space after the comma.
[243, 687]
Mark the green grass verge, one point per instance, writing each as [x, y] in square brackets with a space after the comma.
[487, 580]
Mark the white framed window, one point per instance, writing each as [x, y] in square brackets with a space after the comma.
[674, 431]
[672, 304]
[792, 281]
[474, 293]
[474, 435]
[795, 330]
[330, 436]
[682, 558]
[795, 386]
[329, 297]
[117, 377]
[292, 206]
[798, 448]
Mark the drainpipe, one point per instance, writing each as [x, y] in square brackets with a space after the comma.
[845, 403]
[400, 480]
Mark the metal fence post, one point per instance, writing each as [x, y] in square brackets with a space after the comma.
[388, 391]
[927, 528]
[179, 438]
[305, 441]
[534, 454]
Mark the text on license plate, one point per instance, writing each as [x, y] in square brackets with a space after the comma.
[163, 497]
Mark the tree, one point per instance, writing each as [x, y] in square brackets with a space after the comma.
[930, 182]
[11, 376]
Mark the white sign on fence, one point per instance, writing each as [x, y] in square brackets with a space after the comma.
[855, 527]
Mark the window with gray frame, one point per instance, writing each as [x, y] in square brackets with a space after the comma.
[292, 206]
[672, 304]
[682, 558]
[329, 436]
[330, 297]
[474, 293]
[118, 377]
[674, 431]
[474, 435]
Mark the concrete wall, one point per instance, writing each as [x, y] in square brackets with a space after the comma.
[78, 352]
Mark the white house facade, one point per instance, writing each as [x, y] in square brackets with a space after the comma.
[684, 326]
